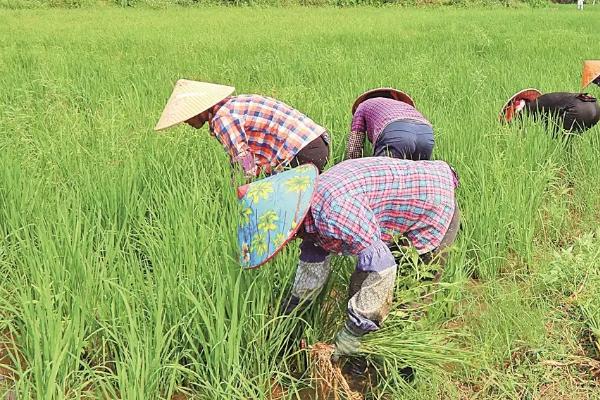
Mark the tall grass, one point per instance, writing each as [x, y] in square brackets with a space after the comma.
[117, 250]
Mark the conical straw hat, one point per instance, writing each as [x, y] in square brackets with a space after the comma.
[190, 98]
[272, 211]
[389, 93]
[591, 70]
[507, 112]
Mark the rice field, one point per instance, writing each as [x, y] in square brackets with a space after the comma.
[118, 245]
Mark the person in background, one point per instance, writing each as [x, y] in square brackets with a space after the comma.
[580, 5]
[357, 208]
[260, 134]
[569, 112]
[388, 118]
[590, 73]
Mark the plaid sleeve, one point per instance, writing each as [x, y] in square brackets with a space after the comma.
[230, 132]
[354, 147]
[358, 120]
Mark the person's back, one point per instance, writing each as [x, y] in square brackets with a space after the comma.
[399, 178]
[262, 113]
[274, 132]
[574, 112]
[384, 194]
[388, 119]
[373, 115]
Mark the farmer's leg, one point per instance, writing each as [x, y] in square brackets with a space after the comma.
[315, 152]
[311, 276]
[370, 297]
[397, 140]
[440, 254]
[424, 142]
[371, 289]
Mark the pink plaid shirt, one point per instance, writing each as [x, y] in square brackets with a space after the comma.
[261, 133]
[358, 202]
[372, 116]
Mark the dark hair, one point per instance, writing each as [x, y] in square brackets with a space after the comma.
[386, 94]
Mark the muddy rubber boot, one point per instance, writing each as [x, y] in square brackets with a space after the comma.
[355, 366]
[407, 373]
[357, 373]
[288, 305]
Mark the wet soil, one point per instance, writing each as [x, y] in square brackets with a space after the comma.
[360, 384]
[7, 346]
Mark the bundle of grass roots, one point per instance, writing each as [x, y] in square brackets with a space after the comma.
[328, 376]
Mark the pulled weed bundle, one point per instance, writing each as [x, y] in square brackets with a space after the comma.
[429, 351]
[328, 375]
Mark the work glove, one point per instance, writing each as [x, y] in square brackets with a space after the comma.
[347, 343]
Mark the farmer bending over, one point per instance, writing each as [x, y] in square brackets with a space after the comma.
[356, 209]
[571, 112]
[389, 120]
[260, 134]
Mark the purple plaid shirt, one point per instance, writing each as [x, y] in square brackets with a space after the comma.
[372, 116]
[359, 202]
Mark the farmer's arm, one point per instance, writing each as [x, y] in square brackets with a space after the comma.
[356, 140]
[229, 131]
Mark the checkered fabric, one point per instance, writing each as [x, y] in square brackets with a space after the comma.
[356, 144]
[359, 202]
[372, 116]
[261, 132]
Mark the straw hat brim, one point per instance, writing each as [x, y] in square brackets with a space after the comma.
[389, 93]
[591, 71]
[190, 98]
[529, 94]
